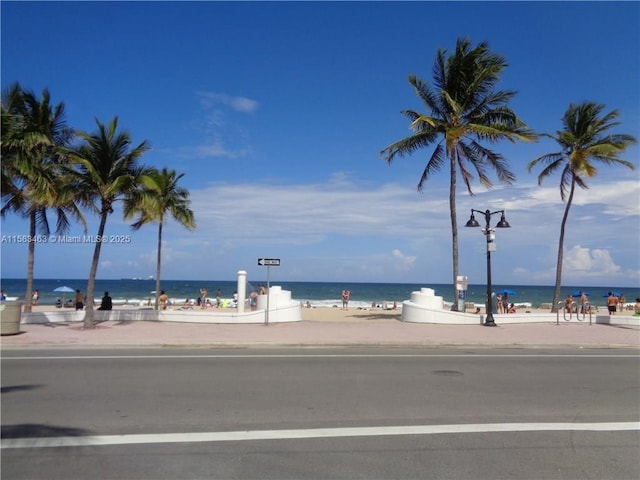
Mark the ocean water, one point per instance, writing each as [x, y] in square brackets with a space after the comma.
[319, 294]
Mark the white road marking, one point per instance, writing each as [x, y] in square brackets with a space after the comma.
[144, 439]
[337, 355]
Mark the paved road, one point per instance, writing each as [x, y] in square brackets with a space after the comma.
[320, 413]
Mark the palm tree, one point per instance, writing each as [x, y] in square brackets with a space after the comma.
[34, 134]
[160, 194]
[108, 171]
[464, 109]
[583, 140]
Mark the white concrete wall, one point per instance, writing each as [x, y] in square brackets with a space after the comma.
[618, 320]
[281, 309]
[426, 307]
[427, 298]
[278, 298]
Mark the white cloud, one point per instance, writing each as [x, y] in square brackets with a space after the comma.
[221, 136]
[302, 213]
[239, 104]
[403, 262]
[209, 150]
[343, 228]
[591, 263]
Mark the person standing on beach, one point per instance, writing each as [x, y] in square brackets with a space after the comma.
[35, 297]
[253, 300]
[505, 303]
[163, 299]
[203, 297]
[234, 300]
[218, 298]
[621, 301]
[346, 295]
[584, 303]
[499, 303]
[612, 303]
[79, 300]
[568, 304]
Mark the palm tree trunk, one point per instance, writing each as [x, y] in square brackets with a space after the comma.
[158, 264]
[31, 254]
[558, 285]
[89, 317]
[454, 221]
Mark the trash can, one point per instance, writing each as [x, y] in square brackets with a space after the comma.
[10, 316]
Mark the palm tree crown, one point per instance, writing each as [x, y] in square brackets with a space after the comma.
[34, 136]
[159, 194]
[584, 140]
[464, 111]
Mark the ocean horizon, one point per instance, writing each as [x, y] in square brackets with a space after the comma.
[136, 292]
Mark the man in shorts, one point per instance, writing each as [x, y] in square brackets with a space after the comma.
[612, 303]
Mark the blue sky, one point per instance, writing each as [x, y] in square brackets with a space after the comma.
[276, 113]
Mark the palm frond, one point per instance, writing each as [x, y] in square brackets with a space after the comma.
[435, 163]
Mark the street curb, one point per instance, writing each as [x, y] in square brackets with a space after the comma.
[254, 345]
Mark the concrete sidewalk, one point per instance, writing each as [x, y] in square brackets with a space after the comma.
[389, 332]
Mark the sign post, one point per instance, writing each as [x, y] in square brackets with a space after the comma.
[461, 287]
[268, 262]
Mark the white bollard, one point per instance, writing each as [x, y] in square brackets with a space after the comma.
[242, 290]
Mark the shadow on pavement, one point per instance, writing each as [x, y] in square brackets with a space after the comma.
[378, 316]
[36, 430]
[18, 388]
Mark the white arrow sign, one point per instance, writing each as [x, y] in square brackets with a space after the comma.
[269, 262]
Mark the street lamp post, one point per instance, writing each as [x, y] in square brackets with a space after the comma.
[489, 233]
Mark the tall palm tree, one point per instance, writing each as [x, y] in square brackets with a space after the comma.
[108, 171]
[583, 140]
[34, 134]
[464, 111]
[159, 195]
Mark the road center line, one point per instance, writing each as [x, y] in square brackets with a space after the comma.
[144, 439]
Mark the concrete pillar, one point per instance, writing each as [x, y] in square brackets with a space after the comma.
[242, 290]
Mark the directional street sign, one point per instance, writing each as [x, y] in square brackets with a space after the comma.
[269, 262]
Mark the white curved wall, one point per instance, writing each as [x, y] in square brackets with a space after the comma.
[281, 309]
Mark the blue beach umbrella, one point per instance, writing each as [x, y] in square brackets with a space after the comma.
[507, 292]
[615, 294]
[579, 294]
[64, 290]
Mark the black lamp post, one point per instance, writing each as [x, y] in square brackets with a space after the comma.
[489, 233]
